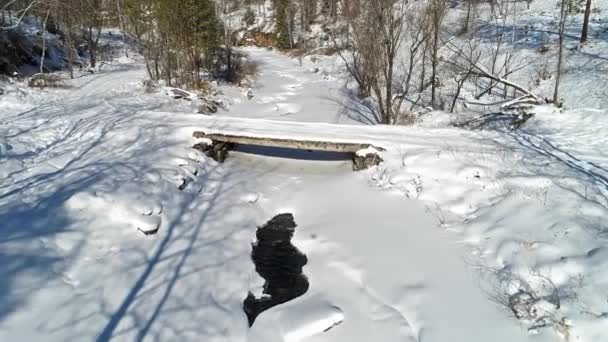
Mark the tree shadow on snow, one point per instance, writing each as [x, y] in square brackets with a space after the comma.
[186, 255]
[592, 176]
[33, 215]
[32, 212]
[355, 108]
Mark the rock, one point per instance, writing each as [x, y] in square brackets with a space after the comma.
[212, 107]
[183, 184]
[45, 80]
[216, 150]
[1, 91]
[38, 83]
[219, 103]
[150, 86]
[366, 158]
[206, 107]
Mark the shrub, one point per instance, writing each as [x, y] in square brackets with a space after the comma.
[249, 17]
[239, 71]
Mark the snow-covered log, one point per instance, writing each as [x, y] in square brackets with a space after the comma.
[177, 93]
[522, 103]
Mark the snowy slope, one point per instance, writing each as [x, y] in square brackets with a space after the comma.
[84, 170]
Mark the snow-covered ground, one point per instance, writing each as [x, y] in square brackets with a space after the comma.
[429, 246]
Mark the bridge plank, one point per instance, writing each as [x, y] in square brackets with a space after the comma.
[314, 145]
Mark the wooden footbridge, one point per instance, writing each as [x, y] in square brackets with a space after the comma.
[223, 134]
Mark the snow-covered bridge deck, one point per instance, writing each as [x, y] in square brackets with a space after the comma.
[286, 134]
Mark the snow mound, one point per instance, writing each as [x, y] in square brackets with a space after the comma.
[116, 209]
[296, 321]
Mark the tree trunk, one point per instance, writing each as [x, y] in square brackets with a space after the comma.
[586, 21]
[390, 115]
[43, 54]
[122, 26]
[434, 64]
[93, 56]
[562, 27]
[423, 67]
[466, 22]
[290, 28]
[93, 47]
[70, 47]
[459, 84]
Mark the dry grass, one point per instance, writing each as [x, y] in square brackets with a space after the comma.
[260, 39]
[324, 51]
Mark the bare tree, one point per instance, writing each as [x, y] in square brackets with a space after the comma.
[462, 67]
[91, 22]
[121, 21]
[503, 55]
[65, 12]
[388, 22]
[470, 15]
[376, 56]
[20, 13]
[355, 49]
[43, 53]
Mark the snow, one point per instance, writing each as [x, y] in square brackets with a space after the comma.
[297, 321]
[425, 247]
[367, 151]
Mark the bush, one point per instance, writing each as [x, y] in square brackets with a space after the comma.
[150, 86]
[263, 39]
[243, 72]
[249, 17]
[239, 71]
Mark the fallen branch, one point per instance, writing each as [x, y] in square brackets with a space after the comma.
[525, 101]
[481, 71]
